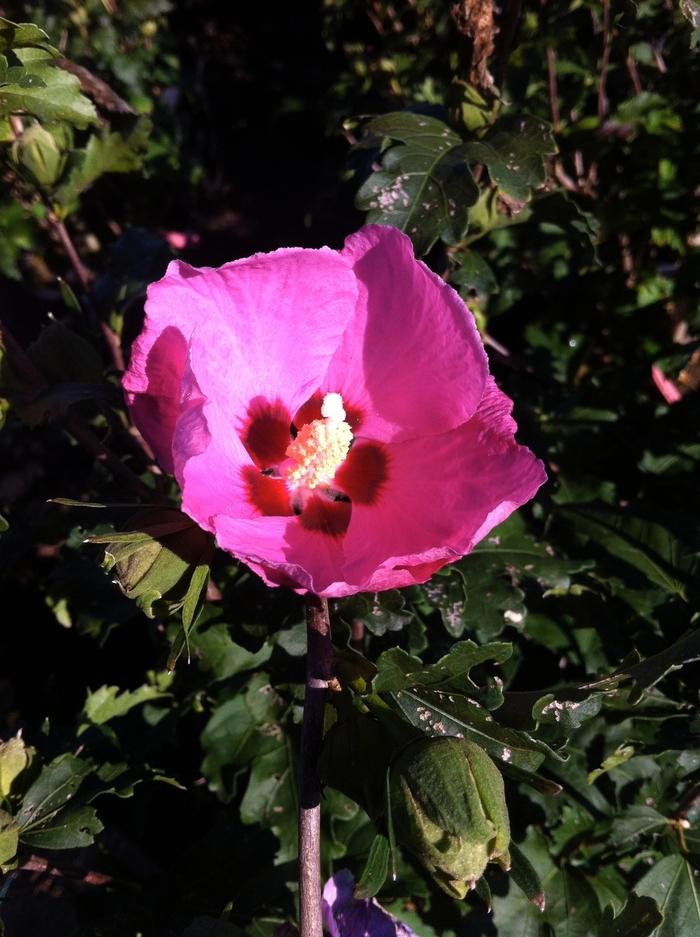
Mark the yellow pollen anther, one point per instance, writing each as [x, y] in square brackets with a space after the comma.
[320, 447]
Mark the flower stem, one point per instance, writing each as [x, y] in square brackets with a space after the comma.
[319, 663]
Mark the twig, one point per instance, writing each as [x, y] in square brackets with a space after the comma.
[84, 277]
[553, 91]
[357, 634]
[81, 271]
[634, 74]
[319, 662]
[603, 103]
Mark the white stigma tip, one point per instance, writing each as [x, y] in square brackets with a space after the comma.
[332, 408]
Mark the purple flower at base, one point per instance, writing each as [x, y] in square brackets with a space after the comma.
[346, 916]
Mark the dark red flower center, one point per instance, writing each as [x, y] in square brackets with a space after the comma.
[323, 503]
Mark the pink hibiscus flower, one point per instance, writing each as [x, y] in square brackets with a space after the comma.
[329, 415]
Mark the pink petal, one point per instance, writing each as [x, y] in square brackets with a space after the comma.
[210, 461]
[411, 359]
[269, 327]
[666, 387]
[442, 495]
[152, 385]
[282, 552]
[263, 327]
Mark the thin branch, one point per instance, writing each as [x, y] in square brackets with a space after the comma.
[634, 74]
[553, 90]
[80, 270]
[603, 103]
[319, 664]
[84, 277]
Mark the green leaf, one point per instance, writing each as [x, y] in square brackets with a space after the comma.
[9, 838]
[672, 885]
[526, 878]
[69, 297]
[108, 703]
[191, 610]
[110, 151]
[68, 829]
[55, 786]
[3, 524]
[397, 670]
[425, 186]
[621, 754]
[514, 155]
[691, 10]
[15, 756]
[638, 918]
[157, 558]
[638, 820]
[381, 612]
[648, 672]
[645, 545]
[483, 593]
[242, 728]
[473, 274]
[437, 713]
[22, 35]
[39, 88]
[271, 797]
[219, 654]
[376, 868]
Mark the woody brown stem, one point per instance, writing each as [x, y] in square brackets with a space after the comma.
[319, 665]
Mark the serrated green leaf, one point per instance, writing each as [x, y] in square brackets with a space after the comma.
[514, 155]
[39, 88]
[109, 703]
[191, 610]
[673, 886]
[219, 654]
[483, 593]
[439, 713]
[271, 797]
[566, 715]
[473, 273]
[425, 186]
[397, 670]
[621, 754]
[55, 786]
[638, 820]
[15, 756]
[68, 829]
[22, 35]
[647, 673]
[242, 728]
[9, 838]
[381, 612]
[639, 918]
[110, 151]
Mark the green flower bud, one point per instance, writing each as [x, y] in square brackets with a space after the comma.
[448, 808]
[36, 155]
